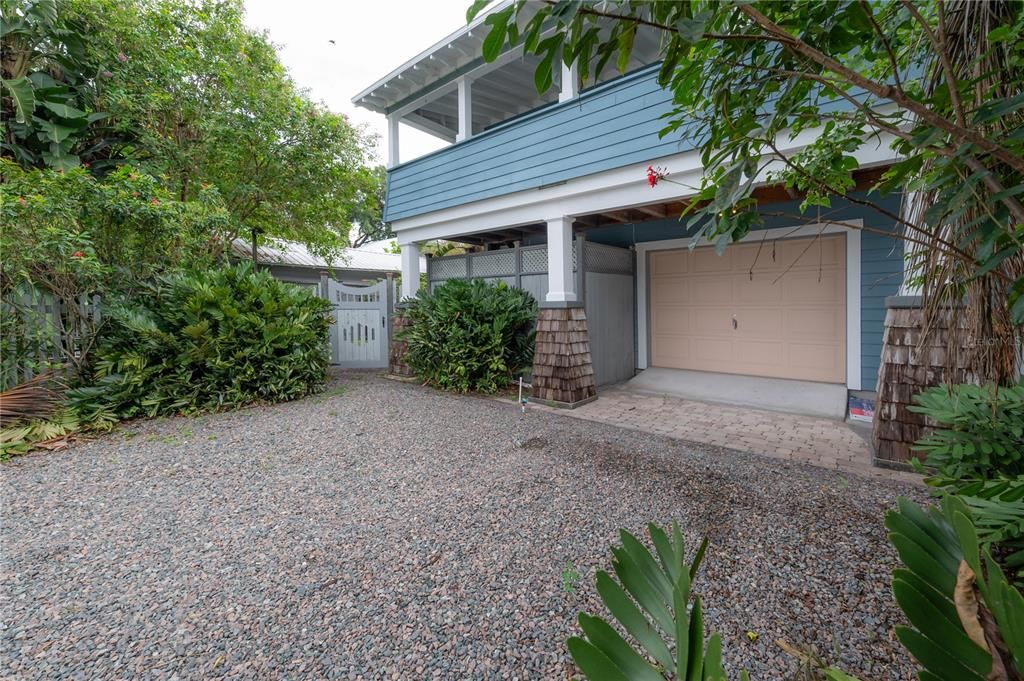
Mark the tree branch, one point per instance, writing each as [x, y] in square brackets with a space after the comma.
[889, 92]
[885, 41]
[939, 43]
[953, 250]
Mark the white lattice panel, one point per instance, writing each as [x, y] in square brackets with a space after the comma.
[451, 267]
[494, 264]
[602, 258]
[535, 259]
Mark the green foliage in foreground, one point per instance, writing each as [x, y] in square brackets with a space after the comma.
[947, 587]
[650, 601]
[470, 335]
[207, 340]
[948, 583]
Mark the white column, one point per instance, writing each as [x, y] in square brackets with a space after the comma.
[465, 110]
[393, 141]
[561, 283]
[410, 270]
[570, 82]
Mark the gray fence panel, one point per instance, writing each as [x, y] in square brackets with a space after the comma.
[536, 284]
[610, 308]
[511, 281]
[29, 312]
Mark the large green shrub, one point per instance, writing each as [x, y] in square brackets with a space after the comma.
[207, 340]
[470, 335]
[980, 433]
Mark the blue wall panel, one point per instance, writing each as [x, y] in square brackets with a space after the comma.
[609, 126]
[881, 261]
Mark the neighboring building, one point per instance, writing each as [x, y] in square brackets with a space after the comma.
[539, 176]
[292, 262]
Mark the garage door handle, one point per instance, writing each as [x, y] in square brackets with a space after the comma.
[735, 324]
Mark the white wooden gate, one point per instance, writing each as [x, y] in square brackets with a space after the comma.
[359, 336]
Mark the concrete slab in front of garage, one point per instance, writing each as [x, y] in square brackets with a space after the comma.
[826, 400]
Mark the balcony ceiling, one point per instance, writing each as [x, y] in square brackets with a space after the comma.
[423, 91]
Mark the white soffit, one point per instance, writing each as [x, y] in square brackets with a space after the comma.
[422, 91]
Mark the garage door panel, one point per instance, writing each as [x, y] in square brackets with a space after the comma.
[669, 262]
[825, 323]
[707, 349]
[673, 320]
[673, 349]
[759, 355]
[711, 320]
[758, 322]
[814, 361]
[706, 261]
[790, 319]
[673, 291]
[761, 259]
[706, 290]
[761, 290]
[827, 251]
[806, 288]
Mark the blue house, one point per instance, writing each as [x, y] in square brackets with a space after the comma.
[553, 187]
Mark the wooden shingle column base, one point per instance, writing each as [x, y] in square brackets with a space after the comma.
[907, 368]
[562, 370]
[396, 351]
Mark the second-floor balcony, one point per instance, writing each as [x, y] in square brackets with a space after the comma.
[611, 125]
[503, 135]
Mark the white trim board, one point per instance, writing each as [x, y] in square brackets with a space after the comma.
[607, 190]
[853, 285]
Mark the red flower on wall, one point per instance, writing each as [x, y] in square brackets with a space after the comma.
[78, 254]
[654, 175]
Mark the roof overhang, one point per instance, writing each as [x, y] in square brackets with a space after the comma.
[423, 92]
[455, 53]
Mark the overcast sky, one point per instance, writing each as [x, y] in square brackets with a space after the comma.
[371, 39]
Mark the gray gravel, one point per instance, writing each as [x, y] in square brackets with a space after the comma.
[391, 531]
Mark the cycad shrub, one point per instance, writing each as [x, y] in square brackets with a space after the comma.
[207, 340]
[979, 433]
[470, 335]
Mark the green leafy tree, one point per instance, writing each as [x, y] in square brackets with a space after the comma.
[212, 105]
[186, 93]
[940, 80]
[368, 210]
[49, 88]
[69, 236]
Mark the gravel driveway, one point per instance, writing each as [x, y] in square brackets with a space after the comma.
[384, 530]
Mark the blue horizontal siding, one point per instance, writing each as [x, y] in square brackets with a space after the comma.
[607, 127]
[881, 261]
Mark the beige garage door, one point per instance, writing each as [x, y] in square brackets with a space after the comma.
[779, 313]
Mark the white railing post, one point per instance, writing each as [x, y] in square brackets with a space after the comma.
[570, 82]
[465, 110]
[561, 283]
[393, 141]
